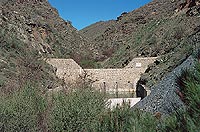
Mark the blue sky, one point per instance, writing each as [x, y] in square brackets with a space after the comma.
[85, 12]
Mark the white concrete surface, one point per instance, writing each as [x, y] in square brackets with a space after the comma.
[113, 102]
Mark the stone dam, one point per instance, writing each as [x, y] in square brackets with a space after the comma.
[107, 80]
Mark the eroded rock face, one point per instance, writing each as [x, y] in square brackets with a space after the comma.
[187, 4]
[190, 3]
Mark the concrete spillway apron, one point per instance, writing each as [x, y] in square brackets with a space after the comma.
[113, 102]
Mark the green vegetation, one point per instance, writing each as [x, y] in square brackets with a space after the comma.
[89, 63]
[20, 63]
[165, 38]
[29, 110]
[22, 111]
[26, 107]
[77, 111]
[85, 110]
[124, 119]
[189, 83]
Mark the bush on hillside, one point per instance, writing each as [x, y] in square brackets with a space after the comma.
[22, 111]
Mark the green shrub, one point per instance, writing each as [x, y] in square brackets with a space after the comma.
[86, 63]
[2, 81]
[76, 111]
[189, 83]
[22, 111]
[125, 119]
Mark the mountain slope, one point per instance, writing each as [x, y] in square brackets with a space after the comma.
[29, 32]
[38, 24]
[160, 28]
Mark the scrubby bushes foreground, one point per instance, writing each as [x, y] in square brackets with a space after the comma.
[84, 110]
[28, 110]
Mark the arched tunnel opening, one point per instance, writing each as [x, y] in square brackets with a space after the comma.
[140, 89]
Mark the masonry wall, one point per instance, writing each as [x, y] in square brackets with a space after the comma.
[124, 79]
[114, 79]
[66, 69]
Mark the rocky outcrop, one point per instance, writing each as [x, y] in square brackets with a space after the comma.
[38, 24]
[163, 97]
[190, 3]
[30, 1]
[187, 4]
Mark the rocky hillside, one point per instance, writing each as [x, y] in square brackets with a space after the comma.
[38, 24]
[168, 29]
[31, 30]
